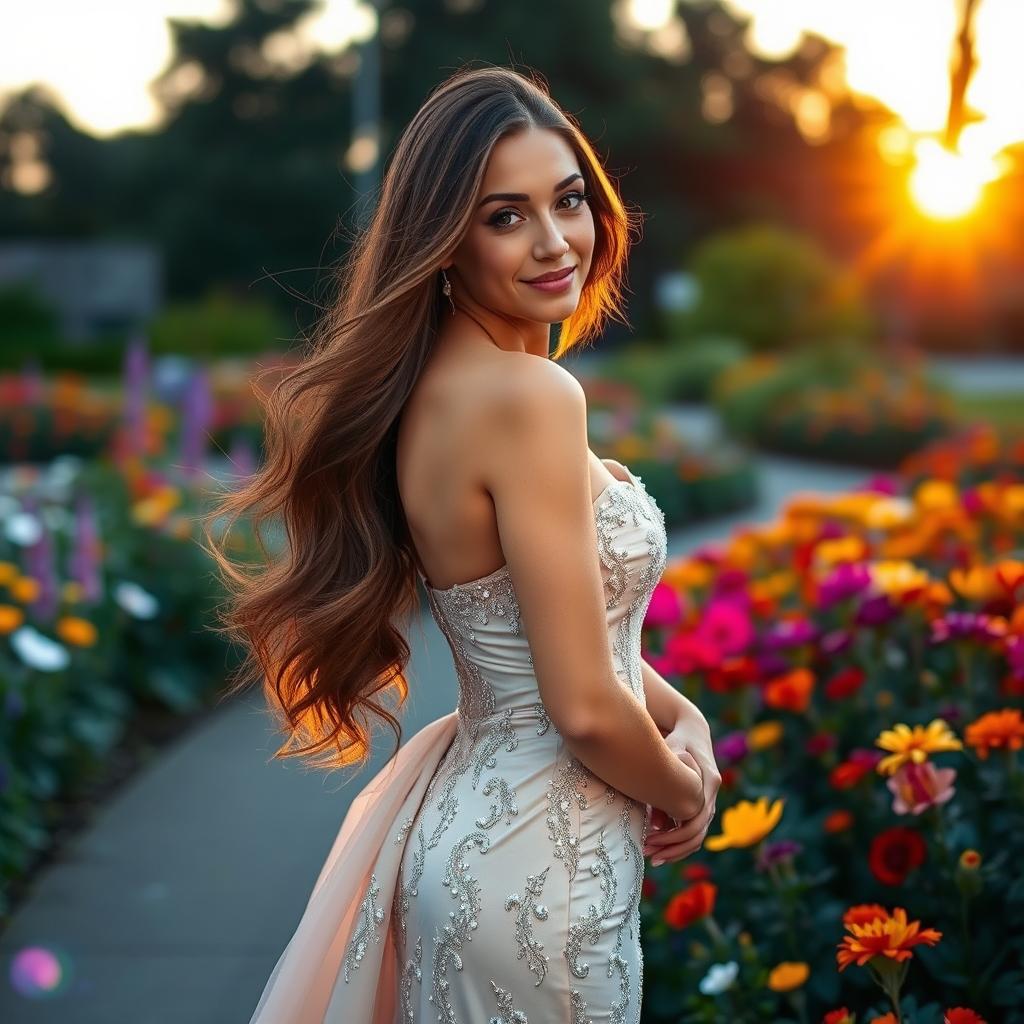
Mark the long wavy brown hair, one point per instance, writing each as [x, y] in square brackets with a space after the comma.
[322, 620]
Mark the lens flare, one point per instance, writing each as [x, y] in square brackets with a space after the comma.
[38, 972]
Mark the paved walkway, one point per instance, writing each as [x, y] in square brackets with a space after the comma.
[176, 904]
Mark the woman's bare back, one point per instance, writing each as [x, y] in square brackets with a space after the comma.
[442, 449]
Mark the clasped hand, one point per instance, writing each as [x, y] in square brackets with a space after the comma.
[671, 840]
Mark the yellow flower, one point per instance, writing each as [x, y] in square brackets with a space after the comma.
[932, 495]
[771, 587]
[72, 591]
[895, 577]
[764, 735]
[788, 975]
[977, 583]
[1012, 501]
[24, 589]
[886, 513]
[76, 631]
[746, 823]
[914, 744]
[843, 549]
[10, 618]
[8, 572]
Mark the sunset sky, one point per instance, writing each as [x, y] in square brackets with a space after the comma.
[99, 57]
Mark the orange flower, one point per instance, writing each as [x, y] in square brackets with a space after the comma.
[886, 1018]
[889, 936]
[10, 618]
[691, 904]
[764, 734]
[790, 692]
[837, 821]
[24, 589]
[788, 975]
[994, 730]
[977, 583]
[76, 631]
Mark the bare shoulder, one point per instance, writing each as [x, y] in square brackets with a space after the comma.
[527, 388]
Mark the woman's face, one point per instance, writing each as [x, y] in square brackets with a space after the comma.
[529, 220]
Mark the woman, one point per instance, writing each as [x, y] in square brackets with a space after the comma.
[492, 870]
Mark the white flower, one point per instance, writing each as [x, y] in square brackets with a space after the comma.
[136, 601]
[23, 529]
[719, 978]
[39, 651]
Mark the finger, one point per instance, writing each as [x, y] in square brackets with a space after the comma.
[682, 834]
[674, 836]
[677, 852]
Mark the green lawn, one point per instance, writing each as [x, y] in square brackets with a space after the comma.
[1003, 410]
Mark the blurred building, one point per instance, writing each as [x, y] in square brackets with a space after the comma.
[94, 287]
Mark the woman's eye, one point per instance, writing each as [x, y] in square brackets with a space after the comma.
[510, 212]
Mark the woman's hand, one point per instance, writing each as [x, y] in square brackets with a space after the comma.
[668, 839]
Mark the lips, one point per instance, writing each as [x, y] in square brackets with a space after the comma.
[551, 275]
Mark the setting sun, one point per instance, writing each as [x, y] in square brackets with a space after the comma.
[946, 184]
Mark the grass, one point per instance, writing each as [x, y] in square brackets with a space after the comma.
[1002, 410]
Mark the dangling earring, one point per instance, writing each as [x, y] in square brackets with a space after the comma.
[447, 289]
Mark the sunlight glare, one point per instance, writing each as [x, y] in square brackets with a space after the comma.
[946, 185]
[651, 14]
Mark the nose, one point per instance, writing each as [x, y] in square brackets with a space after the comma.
[552, 244]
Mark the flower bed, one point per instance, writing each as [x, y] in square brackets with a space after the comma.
[41, 417]
[837, 405]
[861, 662]
[104, 603]
[688, 482]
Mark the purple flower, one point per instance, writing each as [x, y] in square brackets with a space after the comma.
[789, 633]
[881, 483]
[836, 641]
[84, 559]
[1015, 655]
[771, 664]
[135, 377]
[774, 853]
[732, 747]
[875, 611]
[960, 625]
[39, 564]
[196, 418]
[950, 712]
[842, 582]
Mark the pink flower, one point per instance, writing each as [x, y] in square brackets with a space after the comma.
[916, 787]
[691, 652]
[666, 607]
[726, 625]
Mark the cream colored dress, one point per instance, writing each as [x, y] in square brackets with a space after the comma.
[487, 876]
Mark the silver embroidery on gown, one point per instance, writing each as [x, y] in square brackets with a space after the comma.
[518, 894]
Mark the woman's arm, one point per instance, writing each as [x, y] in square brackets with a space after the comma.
[665, 704]
[539, 482]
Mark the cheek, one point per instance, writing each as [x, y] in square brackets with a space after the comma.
[496, 260]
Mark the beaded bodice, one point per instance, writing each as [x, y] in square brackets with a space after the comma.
[481, 620]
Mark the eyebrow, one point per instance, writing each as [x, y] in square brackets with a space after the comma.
[522, 197]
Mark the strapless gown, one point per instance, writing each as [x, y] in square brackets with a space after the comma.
[485, 875]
